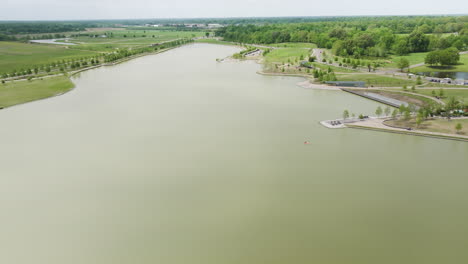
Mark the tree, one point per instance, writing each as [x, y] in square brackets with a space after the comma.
[407, 115]
[369, 66]
[419, 80]
[413, 88]
[441, 92]
[402, 63]
[418, 41]
[419, 120]
[207, 34]
[394, 113]
[458, 127]
[434, 93]
[345, 114]
[387, 111]
[378, 111]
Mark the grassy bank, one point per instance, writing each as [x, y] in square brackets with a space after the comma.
[18, 92]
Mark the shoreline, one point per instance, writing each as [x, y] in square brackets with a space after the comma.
[378, 124]
[71, 74]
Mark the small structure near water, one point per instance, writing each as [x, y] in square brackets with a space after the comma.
[348, 84]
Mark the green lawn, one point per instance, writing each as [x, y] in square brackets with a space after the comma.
[460, 94]
[413, 58]
[335, 69]
[17, 56]
[434, 125]
[376, 80]
[17, 92]
[461, 67]
[282, 55]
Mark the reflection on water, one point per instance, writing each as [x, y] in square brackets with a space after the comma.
[175, 158]
[451, 75]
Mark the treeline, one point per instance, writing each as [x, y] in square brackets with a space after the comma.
[15, 28]
[358, 37]
[123, 53]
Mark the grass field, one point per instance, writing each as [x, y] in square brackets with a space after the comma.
[284, 54]
[461, 67]
[434, 125]
[376, 80]
[137, 37]
[16, 55]
[460, 94]
[17, 92]
[335, 69]
[413, 58]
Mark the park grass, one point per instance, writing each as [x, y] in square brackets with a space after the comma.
[459, 94]
[413, 58]
[294, 45]
[18, 92]
[17, 56]
[376, 80]
[434, 125]
[334, 68]
[284, 54]
[461, 67]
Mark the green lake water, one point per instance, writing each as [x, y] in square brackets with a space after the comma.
[175, 158]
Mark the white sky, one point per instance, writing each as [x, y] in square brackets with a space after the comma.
[117, 9]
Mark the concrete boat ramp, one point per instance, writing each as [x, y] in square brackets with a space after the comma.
[341, 123]
[338, 123]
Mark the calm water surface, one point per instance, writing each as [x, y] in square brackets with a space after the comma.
[175, 158]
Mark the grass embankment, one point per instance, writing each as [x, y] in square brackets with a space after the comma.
[401, 96]
[434, 125]
[461, 67]
[376, 80]
[18, 92]
[17, 55]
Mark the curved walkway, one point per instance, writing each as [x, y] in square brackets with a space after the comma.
[378, 123]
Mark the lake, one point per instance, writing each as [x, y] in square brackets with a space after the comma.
[175, 158]
[53, 41]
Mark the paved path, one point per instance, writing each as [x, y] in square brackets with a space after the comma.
[378, 123]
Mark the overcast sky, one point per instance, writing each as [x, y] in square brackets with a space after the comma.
[114, 9]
